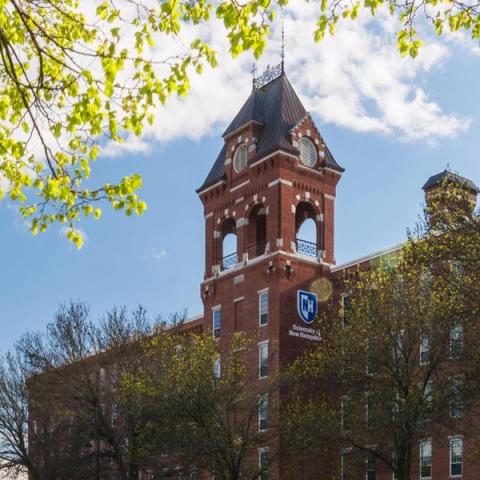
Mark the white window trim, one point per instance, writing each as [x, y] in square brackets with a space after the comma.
[343, 399]
[425, 440]
[260, 451]
[450, 439]
[423, 337]
[344, 452]
[260, 344]
[216, 309]
[260, 292]
[261, 398]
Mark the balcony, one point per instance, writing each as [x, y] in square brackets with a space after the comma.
[229, 261]
[306, 248]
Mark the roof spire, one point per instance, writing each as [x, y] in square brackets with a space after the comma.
[254, 72]
[283, 41]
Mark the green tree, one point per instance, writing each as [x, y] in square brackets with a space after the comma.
[74, 75]
[205, 406]
[400, 364]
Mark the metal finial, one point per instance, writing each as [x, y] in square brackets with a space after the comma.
[254, 72]
[283, 42]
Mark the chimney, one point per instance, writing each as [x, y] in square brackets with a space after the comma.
[447, 195]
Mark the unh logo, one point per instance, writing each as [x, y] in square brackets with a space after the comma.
[307, 306]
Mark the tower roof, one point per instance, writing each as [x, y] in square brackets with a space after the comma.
[437, 179]
[276, 107]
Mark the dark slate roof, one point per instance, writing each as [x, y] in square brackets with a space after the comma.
[278, 109]
[437, 179]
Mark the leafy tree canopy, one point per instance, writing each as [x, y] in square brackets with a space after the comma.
[75, 75]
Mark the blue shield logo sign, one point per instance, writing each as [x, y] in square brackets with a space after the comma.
[307, 306]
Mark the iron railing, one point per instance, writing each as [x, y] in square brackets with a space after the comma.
[306, 248]
[229, 261]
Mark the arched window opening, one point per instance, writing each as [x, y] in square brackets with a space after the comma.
[306, 230]
[257, 231]
[229, 244]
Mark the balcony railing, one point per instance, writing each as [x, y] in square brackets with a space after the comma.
[306, 248]
[229, 261]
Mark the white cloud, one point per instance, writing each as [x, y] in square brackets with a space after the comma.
[356, 80]
[159, 254]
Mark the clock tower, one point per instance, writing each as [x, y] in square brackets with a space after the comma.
[274, 175]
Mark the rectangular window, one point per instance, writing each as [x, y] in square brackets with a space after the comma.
[217, 322]
[456, 404]
[345, 465]
[426, 459]
[369, 409]
[456, 457]
[263, 412]
[371, 468]
[399, 349]
[263, 463]
[263, 359]
[346, 309]
[263, 308]
[346, 413]
[456, 341]
[217, 368]
[424, 350]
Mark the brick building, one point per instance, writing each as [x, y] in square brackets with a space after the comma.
[269, 209]
[273, 176]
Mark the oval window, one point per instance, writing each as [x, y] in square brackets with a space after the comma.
[308, 152]
[240, 159]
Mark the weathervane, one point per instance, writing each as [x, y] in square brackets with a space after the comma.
[271, 73]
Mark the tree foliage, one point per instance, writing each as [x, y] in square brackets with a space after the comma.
[402, 360]
[206, 414]
[75, 75]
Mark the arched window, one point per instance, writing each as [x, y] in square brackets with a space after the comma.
[229, 244]
[240, 158]
[308, 152]
[306, 229]
[257, 231]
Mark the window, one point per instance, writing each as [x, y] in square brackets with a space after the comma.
[308, 152]
[263, 412]
[456, 341]
[263, 463]
[371, 468]
[217, 322]
[217, 368]
[346, 309]
[263, 359]
[424, 350]
[345, 465]
[456, 457]
[240, 158]
[399, 347]
[114, 414]
[426, 459]
[263, 308]
[371, 366]
[345, 407]
[456, 405]
[369, 409]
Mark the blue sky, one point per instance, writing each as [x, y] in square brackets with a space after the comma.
[157, 259]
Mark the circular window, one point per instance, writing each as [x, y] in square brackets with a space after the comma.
[240, 159]
[308, 152]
